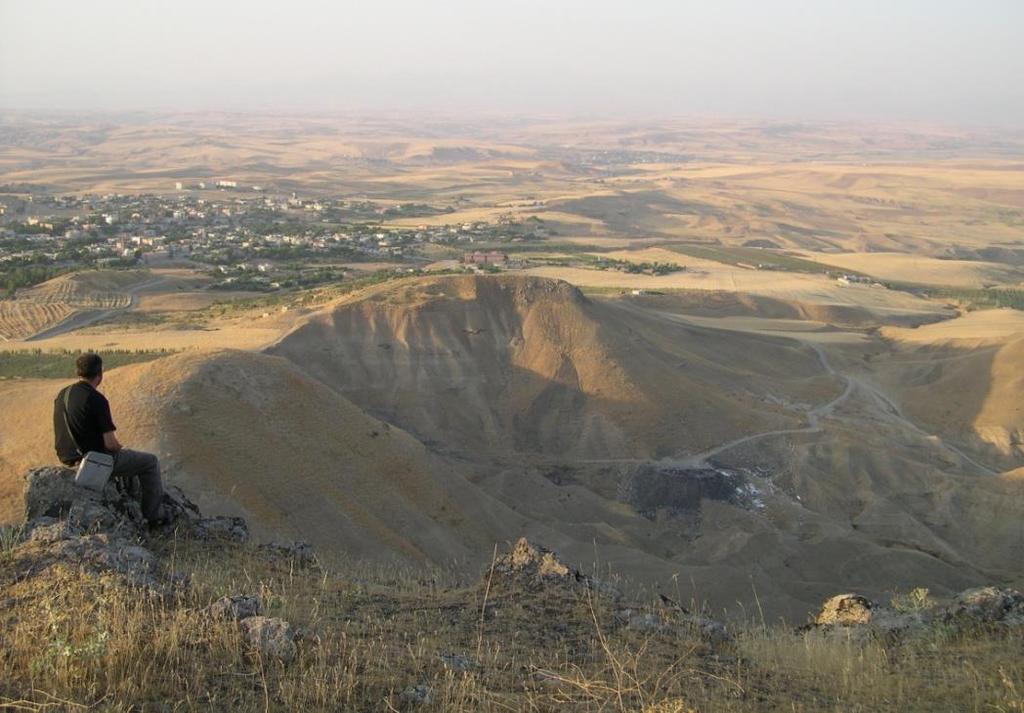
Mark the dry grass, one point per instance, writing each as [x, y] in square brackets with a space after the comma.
[78, 640]
[71, 641]
[939, 669]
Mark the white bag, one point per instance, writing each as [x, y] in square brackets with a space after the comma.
[94, 471]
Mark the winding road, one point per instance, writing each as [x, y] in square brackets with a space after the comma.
[85, 317]
[814, 415]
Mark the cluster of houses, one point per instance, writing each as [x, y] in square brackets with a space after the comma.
[847, 280]
[485, 258]
[230, 228]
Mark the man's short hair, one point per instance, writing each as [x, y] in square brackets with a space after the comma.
[89, 365]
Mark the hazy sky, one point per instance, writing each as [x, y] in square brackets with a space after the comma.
[944, 60]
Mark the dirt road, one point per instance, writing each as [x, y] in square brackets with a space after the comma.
[814, 416]
[83, 318]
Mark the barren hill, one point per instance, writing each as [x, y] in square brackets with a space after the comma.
[249, 434]
[723, 454]
[425, 419]
[526, 366]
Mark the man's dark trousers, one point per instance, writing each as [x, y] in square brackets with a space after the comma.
[130, 464]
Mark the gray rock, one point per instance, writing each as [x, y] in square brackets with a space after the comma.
[49, 491]
[987, 605]
[90, 515]
[177, 505]
[272, 637]
[301, 552]
[644, 622]
[132, 560]
[417, 695]
[47, 530]
[681, 624]
[100, 532]
[222, 527]
[548, 679]
[234, 608]
[458, 662]
[709, 629]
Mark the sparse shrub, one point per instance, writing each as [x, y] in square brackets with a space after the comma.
[915, 600]
[372, 631]
[10, 537]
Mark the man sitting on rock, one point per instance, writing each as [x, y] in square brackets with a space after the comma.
[82, 423]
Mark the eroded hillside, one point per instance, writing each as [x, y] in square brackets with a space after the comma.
[425, 419]
[529, 367]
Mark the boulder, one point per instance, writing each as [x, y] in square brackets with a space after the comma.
[221, 527]
[845, 610]
[50, 492]
[987, 605]
[234, 608]
[417, 696]
[711, 630]
[92, 516]
[100, 531]
[533, 561]
[270, 636]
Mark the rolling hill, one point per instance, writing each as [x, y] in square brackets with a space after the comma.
[422, 420]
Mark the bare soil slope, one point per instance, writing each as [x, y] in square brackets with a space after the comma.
[250, 434]
[425, 419]
[971, 392]
[676, 447]
[527, 366]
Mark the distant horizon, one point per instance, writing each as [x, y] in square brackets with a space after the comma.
[506, 117]
[948, 63]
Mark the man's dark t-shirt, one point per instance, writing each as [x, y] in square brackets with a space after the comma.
[89, 418]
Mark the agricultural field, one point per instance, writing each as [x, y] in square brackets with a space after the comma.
[39, 364]
[38, 308]
[23, 318]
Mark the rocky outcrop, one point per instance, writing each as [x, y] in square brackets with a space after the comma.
[972, 608]
[100, 532]
[234, 608]
[534, 562]
[845, 610]
[51, 494]
[987, 605]
[529, 566]
[104, 533]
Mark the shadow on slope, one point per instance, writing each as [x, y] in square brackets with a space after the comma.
[501, 366]
[251, 435]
